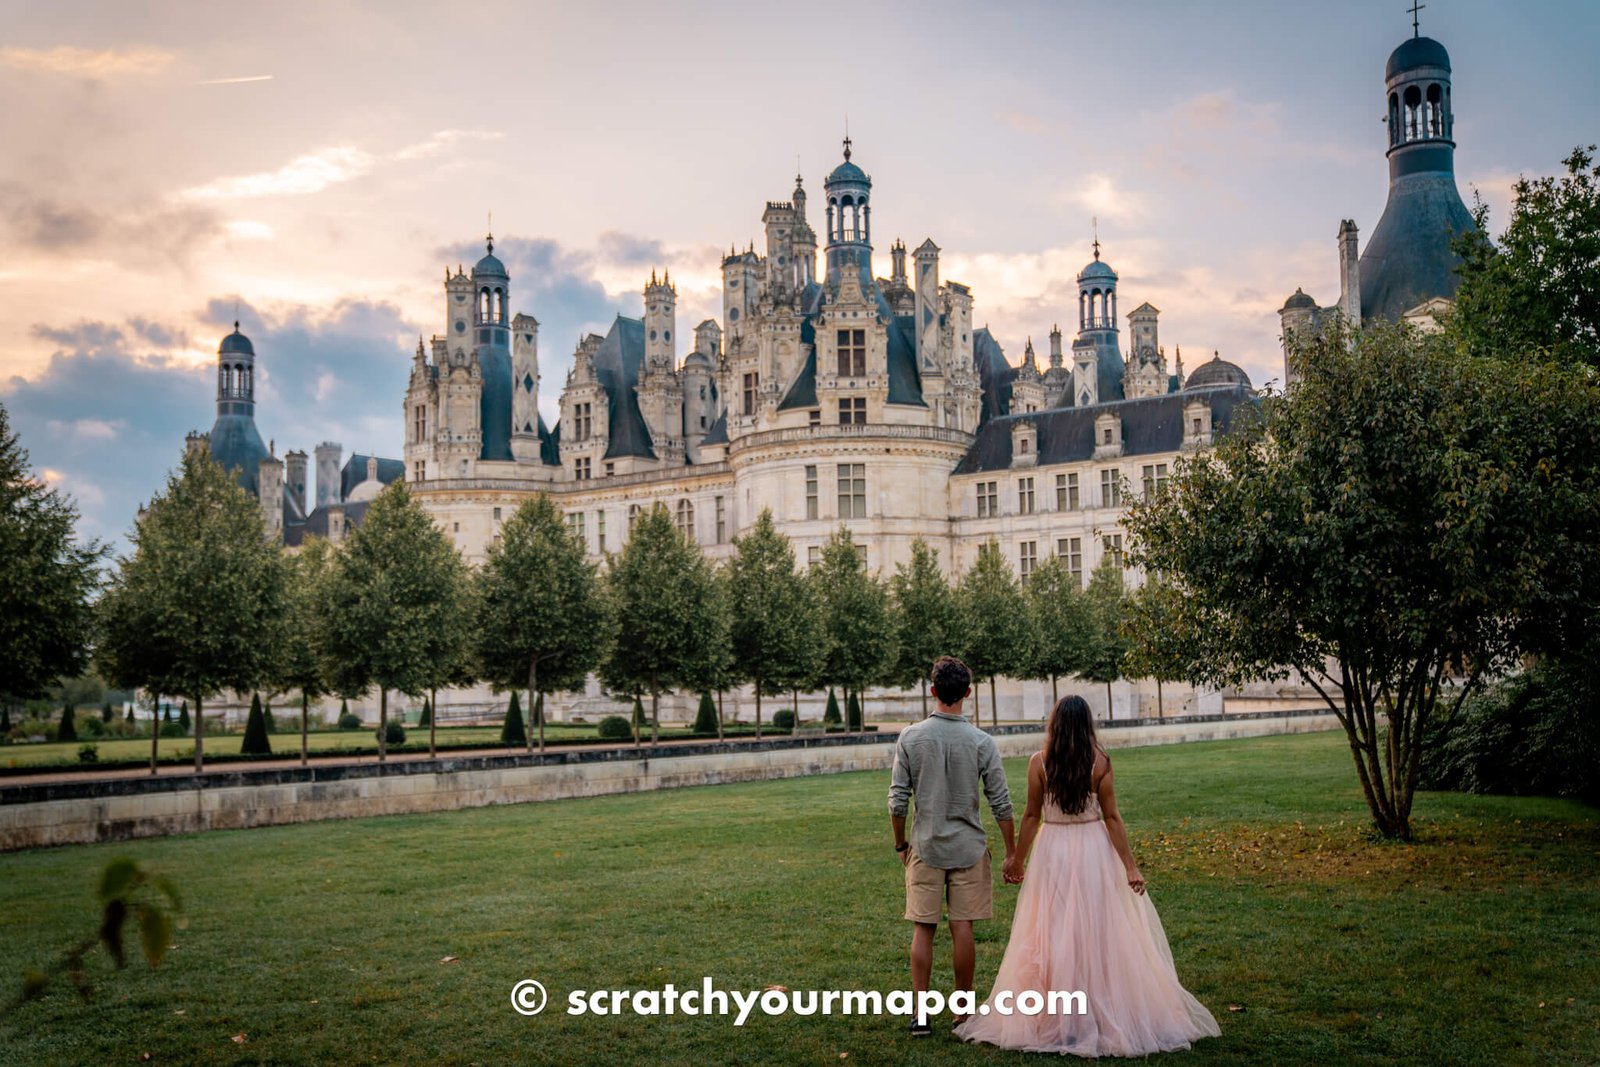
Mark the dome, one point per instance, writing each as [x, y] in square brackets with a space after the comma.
[1217, 372]
[1299, 300]
[697, 359]
[1097, 269]
[847, 172]
[489, 264]
[1414, 53]
[236, 343]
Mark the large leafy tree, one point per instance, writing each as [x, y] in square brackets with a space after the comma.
[542, 616]
[396, 604]
[774, 628]
[997, 638]
[1535, 292]
[1399, 525]
[926, 620]
[858, 636]
[199, 606]
[667, 615]
[1063, 622]
[300, 663]
[1151, 628]
[1108, 608]
[46, 579]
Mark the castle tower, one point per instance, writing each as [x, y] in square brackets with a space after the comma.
[295, 479]
[1027, 388]
[927, 306]
[1096, 357]
[1409, 260]
[700, 388]
[234, 440]
[269, 476]
[660, 315]
[491, 320]
[1146, 367]
[849, 192]
[329, 492]
[525, 389]
[805, 241]
[659, 391]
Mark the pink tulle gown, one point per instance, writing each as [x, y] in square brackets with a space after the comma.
[1079, 926]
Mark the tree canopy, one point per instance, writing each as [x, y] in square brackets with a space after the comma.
[1063, 623]
[775, 631]
[857, 631]
[926, 620]
[997, 636]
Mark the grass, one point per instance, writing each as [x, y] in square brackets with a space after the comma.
[323, 942]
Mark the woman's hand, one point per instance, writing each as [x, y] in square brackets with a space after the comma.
[1136, 880]
[1013, 869]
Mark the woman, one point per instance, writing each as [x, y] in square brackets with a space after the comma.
[1083, 921]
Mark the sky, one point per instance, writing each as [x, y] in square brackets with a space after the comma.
[312, 169]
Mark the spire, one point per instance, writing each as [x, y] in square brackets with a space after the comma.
[1416, 30]
[490, 238]
[1095, 222]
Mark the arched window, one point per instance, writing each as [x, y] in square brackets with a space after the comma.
[685, 518]
[1394, 119]
[1435, 111]
[1413, 113]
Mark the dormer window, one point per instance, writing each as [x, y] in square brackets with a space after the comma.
[852, 352]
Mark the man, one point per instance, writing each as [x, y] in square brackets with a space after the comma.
[942, 760]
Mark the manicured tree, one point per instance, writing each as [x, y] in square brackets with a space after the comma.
[705, 720]
[667, 614]
[537, 716]
[997, 638]
[256, 742]
[128, 718]
[68, 730]
[513, 732]
[854, 608]
[1108, 607]
[853, 714]
[1406, 512]
[183, 718]
[197, 607]
[542, 616]
[773, 629]
[395, 608]
[1062, 622]
[925, 618]
[47, 579]
[266, 717]
[300, 663]
[427, 713]
[1151, 627]
[5, 720]
[715, 671]
[832, 713]
[106, 712]
[166, 714]
[639, 721]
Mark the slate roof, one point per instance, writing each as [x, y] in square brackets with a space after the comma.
[1409, 260]
[1150, 425]
[316, 524]
[995, 375]
[355, 472]
[905, 380]
[237, 445]
[617, 364]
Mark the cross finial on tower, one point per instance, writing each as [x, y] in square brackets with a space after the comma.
[1094, 221]
[490, 238]
[847, 148]
[1415, 26]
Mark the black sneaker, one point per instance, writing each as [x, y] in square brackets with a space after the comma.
[920, 1030]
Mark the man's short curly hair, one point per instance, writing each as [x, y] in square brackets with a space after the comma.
[951, 680]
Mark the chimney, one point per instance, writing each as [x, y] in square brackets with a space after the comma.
[1349, 272]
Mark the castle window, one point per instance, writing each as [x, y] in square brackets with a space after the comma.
[1105, 436]
[813, 555]
[1070, 549]
[811, 492]
[1066, 492]
[1110, 489]
[722, 520]
[419, 424]
[611, 468]
[852, 409]
[1025, 496]
[575, 523]
[814, 418]
[852, 490]
[420, 472]
[988, 500]
[633, 517]
[685, 518]
[1196, 425]
[752, 385]
[1027, 559]
[852, 346]
[1112, 543]
[582, 469]
[1155, 479]
[600, 528]
[582, 421]
[496, 514]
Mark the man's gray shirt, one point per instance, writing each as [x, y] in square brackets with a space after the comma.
[942, 759]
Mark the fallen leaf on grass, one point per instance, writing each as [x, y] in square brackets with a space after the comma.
[178, 1011]
[1236, 1007]
[451, 959]
[238, 1039]
[785, 989]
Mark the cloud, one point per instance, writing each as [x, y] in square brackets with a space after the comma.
[236, 81]
[127, 228]
[627, 250]
[89, 62]
[1103, 196]
[316, 171]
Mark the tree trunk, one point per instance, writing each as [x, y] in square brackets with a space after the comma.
[539, 709]
[994, 705]
[719, 715]
[199, 736]
[796, 693]
[1055, 695]
[433, 723]
[758, 709]
[1109, 715]
[305, 728]
[533, 685]
[924, 688]
[383, 723]
[655, 711]
[1161, 708]
[155, 734]
[977, 704]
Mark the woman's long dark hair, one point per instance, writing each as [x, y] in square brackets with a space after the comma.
[1069, 747]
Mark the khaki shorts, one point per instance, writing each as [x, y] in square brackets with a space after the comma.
[969, 890]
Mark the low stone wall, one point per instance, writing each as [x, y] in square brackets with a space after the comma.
[84, 811]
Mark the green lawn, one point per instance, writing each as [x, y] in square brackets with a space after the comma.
[323, 943]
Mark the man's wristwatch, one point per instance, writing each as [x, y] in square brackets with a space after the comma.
[902, 846]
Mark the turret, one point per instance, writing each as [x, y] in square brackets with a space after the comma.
[849, 220]
[295, 474]
[491, 288]
[329, 491]
[525, 389]
[927, 304]
[660, 315]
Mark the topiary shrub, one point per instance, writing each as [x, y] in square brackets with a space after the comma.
[183, 717]
[255, 741]
[705, 720]
[88, 754]
[67, 731]
[638, 713]
[615, 728]
[171, 729]
[832, 714]
[393, 734]
[783, 720]
[854, 711]
[93, 727]
[106, 713]
[427, 713]
[348, 721]
[514, 732]
[538, 711]
[5, 721]
[266, 716]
